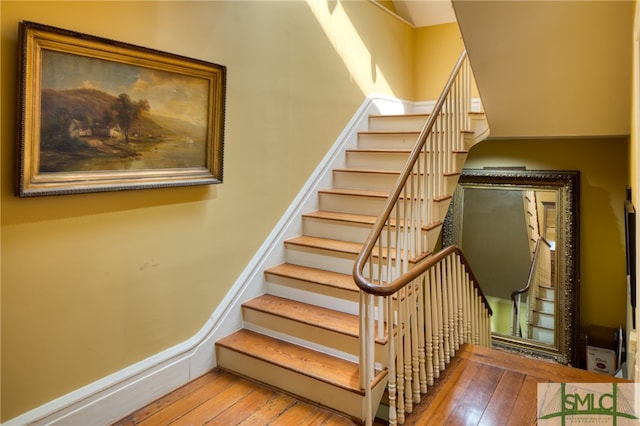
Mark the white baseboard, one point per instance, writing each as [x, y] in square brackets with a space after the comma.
[117, 395]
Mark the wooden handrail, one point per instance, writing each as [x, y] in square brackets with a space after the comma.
[420, 268]
[382, 289]
[524, 289]
[375, 233]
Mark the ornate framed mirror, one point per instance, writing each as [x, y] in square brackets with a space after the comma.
[519, 231]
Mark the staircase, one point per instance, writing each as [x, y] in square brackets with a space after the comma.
[303, 334]
[542, 327]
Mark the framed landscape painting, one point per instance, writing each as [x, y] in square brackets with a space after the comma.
[101, 115]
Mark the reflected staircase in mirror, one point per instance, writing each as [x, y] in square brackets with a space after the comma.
[542, 324]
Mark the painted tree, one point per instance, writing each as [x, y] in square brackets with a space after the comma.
[127, 112]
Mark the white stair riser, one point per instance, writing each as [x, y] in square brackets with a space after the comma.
[353, 204]
[366, 181]
[320, 259]
[543, 320]
[339, 299]
[392, 161]
[323, 259]
[546, 293]
[298, 384]
[387, 141]
[542, 335]
[371, 206]
[413, 123]
[372, 181]
[335, 229]
[354, 232]
[545, 306]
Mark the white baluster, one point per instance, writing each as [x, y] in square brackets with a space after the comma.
[434, 322]
[400, 402]
[391, 385]
[422, 367]
[428, 326]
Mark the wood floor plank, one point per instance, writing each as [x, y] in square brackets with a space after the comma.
[269, 411]
[476, 396]
[177, 409]
[524, 409]
[447, 395]
[452, 373]
[502, 399]
[212, 407]
[296, 415]
[323, 417]
[169, 399]
[243, 408]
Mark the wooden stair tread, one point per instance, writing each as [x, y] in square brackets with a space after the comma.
[392, 150]
[389, 132]
[371, 171]
[345, 217]
[417, 114]
[306, 313]
[355, 192]
[380, 150]
[317, 365]
[313, 275]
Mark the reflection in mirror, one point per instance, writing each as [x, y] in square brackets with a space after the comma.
[518, 231]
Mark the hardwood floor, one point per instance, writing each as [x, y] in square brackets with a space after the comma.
[479, 387]
[489, 387]
[221, 398]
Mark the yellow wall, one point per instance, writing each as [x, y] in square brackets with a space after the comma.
[438, 47]
[603, 166]
[93, 283]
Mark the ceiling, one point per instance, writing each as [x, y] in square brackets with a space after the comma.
[544, 68]
[426, 12]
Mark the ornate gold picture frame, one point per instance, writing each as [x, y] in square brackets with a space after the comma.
[101, 115]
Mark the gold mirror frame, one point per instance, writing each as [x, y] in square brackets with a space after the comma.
[566, 184]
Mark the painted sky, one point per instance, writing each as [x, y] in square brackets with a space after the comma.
[169, 94]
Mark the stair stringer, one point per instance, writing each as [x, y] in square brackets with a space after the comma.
[113, 397]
